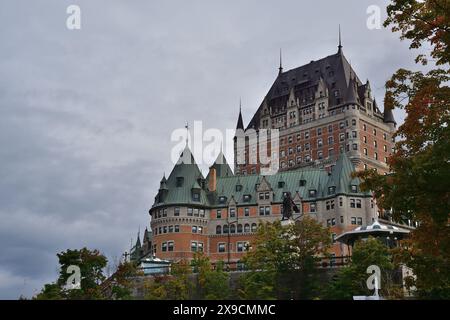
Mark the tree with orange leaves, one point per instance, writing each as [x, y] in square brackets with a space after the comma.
[418, 187]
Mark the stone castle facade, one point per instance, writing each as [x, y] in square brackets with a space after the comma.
[329, 124]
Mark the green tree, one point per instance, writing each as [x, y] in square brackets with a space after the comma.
[213, 283]
[176, 286]
[91, 264]
[351, 280]
[419, 186]
[121, 282]
[283, 260]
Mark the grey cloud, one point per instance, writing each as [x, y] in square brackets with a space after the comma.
[86, 116]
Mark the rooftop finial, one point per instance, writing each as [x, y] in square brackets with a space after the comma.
[280, 69]
[240, 104]
[187, 133]
[340, 40]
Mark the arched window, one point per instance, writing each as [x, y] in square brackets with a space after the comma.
[232, 228]
[239, 228]
[246, 227]
[225, 229]
[254, 227]
[218, 230]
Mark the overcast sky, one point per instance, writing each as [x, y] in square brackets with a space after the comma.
[87, 115]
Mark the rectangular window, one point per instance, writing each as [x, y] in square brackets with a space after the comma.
[342, 219]
[261, 196]
[194, 246]
[202, 213]
[312, 207]
[170, 246]
[200, 229]
[359, 221]
[221, 247]
[267, 195]
[219, 214]
[358, 203]
[195, 212]
[200, 247]
[246, 212]
[176, 211]
[352, 203]
[267, 211]
[170, 229]
[232, 212]
[164, 246]
[194, 229]
[353, 220]
[165, 229]
[189, 212]
[261, 211]
[333, 221]
[177, 228]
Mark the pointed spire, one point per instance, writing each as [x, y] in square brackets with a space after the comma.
[340, 40]
[187, 133]
[240, 122]
[280, 69]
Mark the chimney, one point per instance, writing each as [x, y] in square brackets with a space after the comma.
[212, 179]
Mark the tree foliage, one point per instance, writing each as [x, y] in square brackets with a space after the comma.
[282, 261]
[213, 283]
[176, 286]
[91, 264]
[351, 279]
[419, 186]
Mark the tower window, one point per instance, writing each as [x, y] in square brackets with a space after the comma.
[179, 182]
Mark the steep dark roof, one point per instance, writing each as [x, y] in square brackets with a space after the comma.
[335, 70]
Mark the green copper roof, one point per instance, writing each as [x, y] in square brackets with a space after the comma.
[289, 181]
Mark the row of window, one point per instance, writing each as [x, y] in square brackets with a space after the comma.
[353, 220]
[176, 229]
[232, 228]
[191, 212]
[198, 246]
[167, 229]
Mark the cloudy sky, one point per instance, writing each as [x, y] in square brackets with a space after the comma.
[87, 115]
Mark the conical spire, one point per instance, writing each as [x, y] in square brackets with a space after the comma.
[240, 122]
[388, 116]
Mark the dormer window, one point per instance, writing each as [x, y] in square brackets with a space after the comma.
[354, 188]
[247, 197]
[280, 184]
[180, 181]
[312, 193]
[256, 186]
[331, 190]
[196, 196]
[222, 199]
[302, 183]
[238, 188]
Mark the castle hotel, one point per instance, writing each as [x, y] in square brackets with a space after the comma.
[329, 126]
